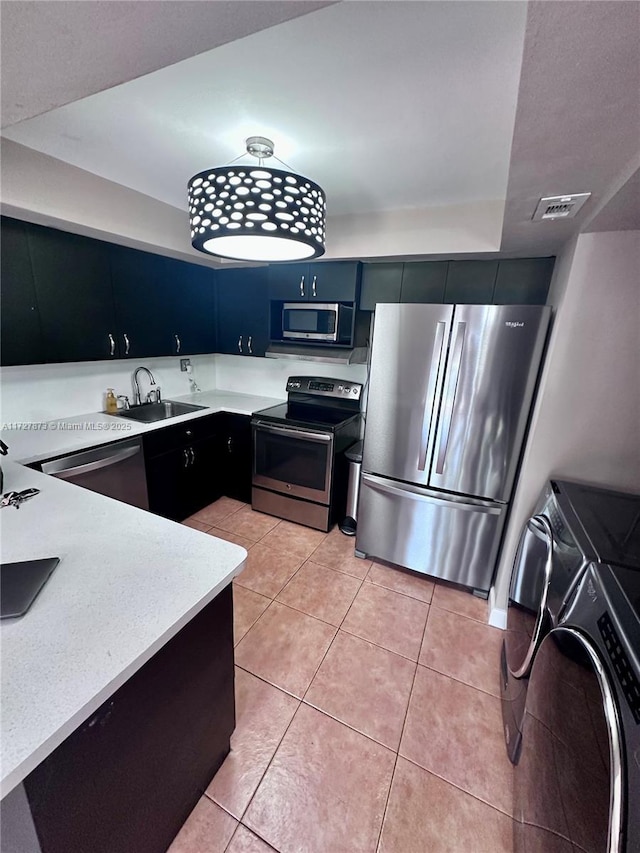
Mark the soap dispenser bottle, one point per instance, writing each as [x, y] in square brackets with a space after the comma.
[111, 402]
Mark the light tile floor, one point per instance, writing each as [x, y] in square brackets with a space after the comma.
[368, 717]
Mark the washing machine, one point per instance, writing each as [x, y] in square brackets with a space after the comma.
[573, 525]
[577, 779]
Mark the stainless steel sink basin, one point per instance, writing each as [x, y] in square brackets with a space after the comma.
[149, 413]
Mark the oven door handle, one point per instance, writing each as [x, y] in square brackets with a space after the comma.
[292, 432]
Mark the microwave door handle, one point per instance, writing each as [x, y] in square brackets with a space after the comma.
[428, 421]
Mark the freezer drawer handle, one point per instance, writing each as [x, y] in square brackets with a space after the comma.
[450, 396]
[105, 462]
[419, 495]
[428, 421]
[536, 524]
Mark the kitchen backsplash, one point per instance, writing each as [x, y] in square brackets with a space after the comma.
[43, 392]
[268, 376]
[48, 391]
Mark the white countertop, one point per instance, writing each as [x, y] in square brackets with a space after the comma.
[37, 441]
[127, 582]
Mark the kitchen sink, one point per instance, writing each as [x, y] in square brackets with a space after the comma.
[149, 413]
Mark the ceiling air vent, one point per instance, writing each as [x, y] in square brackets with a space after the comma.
[560, 206]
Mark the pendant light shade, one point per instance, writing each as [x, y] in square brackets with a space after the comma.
[256, 213]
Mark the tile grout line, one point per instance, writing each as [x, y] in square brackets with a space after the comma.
[404, 723]
[459, 681]
[458, 788]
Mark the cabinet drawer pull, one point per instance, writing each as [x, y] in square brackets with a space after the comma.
[249, 345]
[112, 345]
[193, 455]
[240, 344]
[313, 287]
[302, 285]
[126, 344]
[177, 343]
[185, 453]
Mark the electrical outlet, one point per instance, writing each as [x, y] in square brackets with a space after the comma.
[184, 363]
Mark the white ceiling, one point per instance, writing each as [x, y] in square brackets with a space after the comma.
[387, 105]
[55, 53]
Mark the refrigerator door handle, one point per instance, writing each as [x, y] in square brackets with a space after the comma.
[428, 421]
[450, 395]
[418, 494]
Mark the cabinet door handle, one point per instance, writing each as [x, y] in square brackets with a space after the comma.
[177, 343]
[301, 285]
[126, 344]
[193, 455]
[240, 344]
[313, 287]
[185, 453]
[249, 345]
[112, 345]
[229, 445]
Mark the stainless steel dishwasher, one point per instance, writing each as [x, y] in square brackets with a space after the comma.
[115, 470]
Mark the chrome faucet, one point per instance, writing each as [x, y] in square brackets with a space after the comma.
[153, 395]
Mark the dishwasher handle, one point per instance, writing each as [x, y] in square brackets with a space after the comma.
[59, 467]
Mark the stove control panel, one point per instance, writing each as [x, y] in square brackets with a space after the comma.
[323, 387]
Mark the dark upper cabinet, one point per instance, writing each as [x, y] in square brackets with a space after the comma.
[163, 306]
[243, 311]
[190, 299]
[471, 282]
[21, 337]
[380, 283]
[333, 281]
[288, 281]
[73, 289]
[140, 295]
[523, 282]
[424, 281]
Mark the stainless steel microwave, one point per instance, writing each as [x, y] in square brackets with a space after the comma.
[330, 322]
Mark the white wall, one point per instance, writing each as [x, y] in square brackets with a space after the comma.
[586, 422]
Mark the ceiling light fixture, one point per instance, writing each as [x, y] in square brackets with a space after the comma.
[256, 213]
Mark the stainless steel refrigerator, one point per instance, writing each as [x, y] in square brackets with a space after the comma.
[451, 388]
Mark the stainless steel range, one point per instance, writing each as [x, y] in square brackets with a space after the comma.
[299, 469]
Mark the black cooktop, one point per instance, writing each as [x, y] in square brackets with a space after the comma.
[300, 414]
[611, 521]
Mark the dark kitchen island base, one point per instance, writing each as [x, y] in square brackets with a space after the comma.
[127, 779]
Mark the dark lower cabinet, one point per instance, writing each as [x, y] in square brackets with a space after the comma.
[185, 467]
[237, 456]
[127, 779]
[20, 336]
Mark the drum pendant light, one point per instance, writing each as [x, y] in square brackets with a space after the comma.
[256, 213]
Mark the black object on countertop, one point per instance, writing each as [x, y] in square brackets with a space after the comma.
[20, 583]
